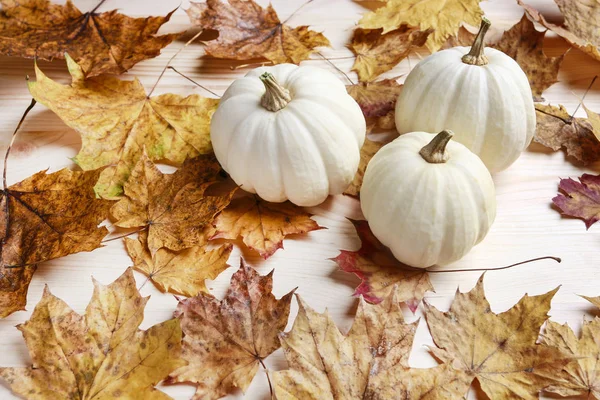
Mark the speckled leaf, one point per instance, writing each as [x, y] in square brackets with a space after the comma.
[580, 199]
[377, 100]
[226, 340]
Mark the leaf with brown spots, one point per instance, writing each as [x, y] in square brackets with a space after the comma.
[96, 355]
[463, 38]
[247, 31]
[46, 216]
[580, 199]
[262, 225]
[499, 350]
[377, 100]
[381, 273]
[105, 43]
[369, 362]
[556, 129]
[367, 152]
[377, 53]
[525, 45]
[181, 272]
[176, 209]
[226, 340]
[117, 121]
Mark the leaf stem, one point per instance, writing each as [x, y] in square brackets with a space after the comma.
[268, 377]
[124, 235]
[194, 82]
[12, 140]
[296, 11]
[336, 67]
[97, 6]
[557, 259]
[585, 94]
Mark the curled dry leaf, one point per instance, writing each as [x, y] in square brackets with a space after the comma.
[499, 350]
[580, 25]
[117, 121]
[247, 31]
[262, 225]
[176, 208]
[525, 45]
[381, 273]
[462, 38]
[556, 129]
[377, 53]
[377, 100]
[367, 152]
[99, 355]
[443, 16]
[226, 340]
[181, 272]
[580, 199]
[105, 43]
[46, 216]
[369, 362]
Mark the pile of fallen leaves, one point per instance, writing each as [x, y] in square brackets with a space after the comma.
[185, 221]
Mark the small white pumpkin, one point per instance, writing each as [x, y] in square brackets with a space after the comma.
[289, 133]
[481, 94]
[428, 200]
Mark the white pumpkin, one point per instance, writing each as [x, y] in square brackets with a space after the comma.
[289, 133]
[481, 94]
[429, 200]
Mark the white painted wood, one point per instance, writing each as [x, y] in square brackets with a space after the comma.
[526, 225]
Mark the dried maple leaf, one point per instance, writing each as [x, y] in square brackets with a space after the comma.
[367, 152]
[380, 272]
[377, 53]
[96, 355]
[175, 207]
[580, 377]
[370, 362]
[46, 216]
[523, 43]
[180, 272]
[225, 341]
[106, 43]
[499, 350]
[443, 16]
[247, 31]
[581, 24]
[117, 121]
[580, 199]
[556, 129]
[262, 225]
[462, 38]
[377, 100]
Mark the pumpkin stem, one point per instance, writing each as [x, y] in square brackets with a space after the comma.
[476, 55]
[435, 151]
[276, 97]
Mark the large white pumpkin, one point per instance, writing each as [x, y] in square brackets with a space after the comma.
[485, 98]
[289, 132]
[429, 200]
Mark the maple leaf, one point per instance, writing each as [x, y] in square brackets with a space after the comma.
[369, 362]
[175, 208]
[367, 152]
[525, 45]
[377, 53]
[117, 121]
[225, 341]
[262, 225]
[180, 272]
[380, 272]
[46, 216]
[443, 16]
[499, 350]
[463, 38]
[106, 43]
[556, 129]
[96, 355]
[247, 31]
[581, 24]
[377, 100]
[580, 199]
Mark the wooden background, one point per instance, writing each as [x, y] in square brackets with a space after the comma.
[526, 225]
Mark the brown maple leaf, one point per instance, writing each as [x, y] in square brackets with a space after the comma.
[380, 272]
[369, 362]
[99, 355]
[580, 25]
[377, 100]
[247, 31]
[106, 43]
[525, 45]
[176, 209]
[580, 199]
[180, 272]
[377, 53]
[46, 216]
[367, 152]
[226, 340]
[262, 225]
[499, 350]
[556, 129]
[463, 38]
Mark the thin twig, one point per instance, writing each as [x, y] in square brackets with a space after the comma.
[124, 236]
[585, 94]
[557, 259]
[194, 82]
[268, 377]
[262, 64]
[97, 7]
[12, 140]
[297, 9]
[336, 67]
